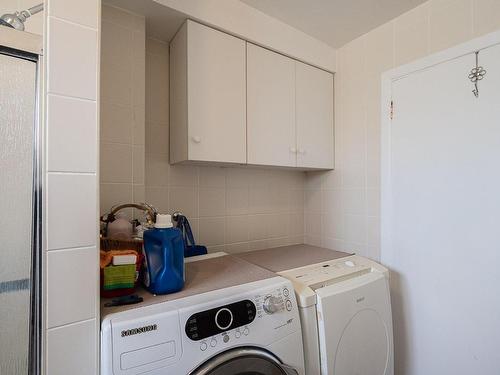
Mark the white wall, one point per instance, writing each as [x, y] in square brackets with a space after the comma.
[347, 201]
[251, 24]
[123, 66]
[71, 97]
[231, 209]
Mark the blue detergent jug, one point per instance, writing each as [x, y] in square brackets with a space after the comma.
[164, 257]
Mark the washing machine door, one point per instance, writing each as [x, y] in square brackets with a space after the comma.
[244, 361]
[355, 326]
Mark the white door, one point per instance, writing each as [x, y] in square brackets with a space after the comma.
[314, 111]
[271, 108]
[216, 95]
[441, 214]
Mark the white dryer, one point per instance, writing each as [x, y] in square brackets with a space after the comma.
[218, 325]
[346, 316]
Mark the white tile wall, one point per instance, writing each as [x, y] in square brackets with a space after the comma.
[486, 16]
[71, 349]
[122, 161]
[72, 66]
[450, 22]
[350, 195]
[72, 134]
[71, 293]
[232, 209]
[411, 34]
[237, 229]
[117, 124]
[212, 231]
[73, 11]
[222, 215]
[71, 190]
[71, 216]
[116, 164]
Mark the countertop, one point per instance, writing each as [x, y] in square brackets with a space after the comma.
[284, 258]
[201, 276]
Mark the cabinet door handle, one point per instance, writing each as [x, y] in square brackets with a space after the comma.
[293, 150]
[196, 139]
[302, 151]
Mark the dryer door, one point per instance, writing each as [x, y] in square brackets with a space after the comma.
[244, 361]
[355, 326]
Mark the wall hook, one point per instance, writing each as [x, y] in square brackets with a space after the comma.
[476, 75]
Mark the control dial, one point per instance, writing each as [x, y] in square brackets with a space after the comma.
[272, 304]
[223, 318]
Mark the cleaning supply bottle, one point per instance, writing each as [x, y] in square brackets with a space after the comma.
[164, 257]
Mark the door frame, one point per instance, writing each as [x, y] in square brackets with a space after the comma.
[469, 47]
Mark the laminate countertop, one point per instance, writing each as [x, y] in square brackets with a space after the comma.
[201, 276]
[285, 258]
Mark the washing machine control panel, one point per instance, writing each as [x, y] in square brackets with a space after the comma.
[220, 319]
[272, 304]
[259, 316]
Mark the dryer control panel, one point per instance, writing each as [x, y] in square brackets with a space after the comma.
[326, 273]
[308, 279]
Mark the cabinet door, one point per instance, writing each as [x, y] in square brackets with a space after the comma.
[270, 108]
[314, 111]
[216, 95]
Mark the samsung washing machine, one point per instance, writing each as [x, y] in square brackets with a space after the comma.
[231, 318]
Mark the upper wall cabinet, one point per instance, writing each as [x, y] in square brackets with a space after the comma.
[235, 102]
[314, 117]
[289, 112]
[270, 108]
[208, 98]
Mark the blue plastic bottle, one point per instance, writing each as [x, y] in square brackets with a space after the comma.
[164, 255]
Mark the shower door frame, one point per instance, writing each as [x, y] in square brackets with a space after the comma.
[28, 47]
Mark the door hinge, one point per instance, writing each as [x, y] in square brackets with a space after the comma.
[391, 112]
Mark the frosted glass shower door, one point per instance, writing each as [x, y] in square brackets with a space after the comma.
[17, 151]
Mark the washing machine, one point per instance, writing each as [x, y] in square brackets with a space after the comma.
[346, 317]
[231, 318]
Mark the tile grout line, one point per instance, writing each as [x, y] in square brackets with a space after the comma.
[71, 324]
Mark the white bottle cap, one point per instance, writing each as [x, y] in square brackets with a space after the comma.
[163, 221]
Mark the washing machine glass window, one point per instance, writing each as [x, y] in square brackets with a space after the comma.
[244, 361]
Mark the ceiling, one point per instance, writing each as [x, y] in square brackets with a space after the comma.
[335, 22]
[161, 22]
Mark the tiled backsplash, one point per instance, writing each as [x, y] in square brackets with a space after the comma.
[231, 209]
[122, 107]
